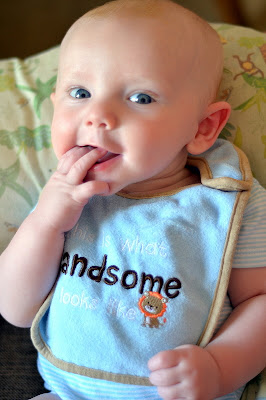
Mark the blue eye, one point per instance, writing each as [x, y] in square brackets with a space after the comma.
[141, 98]
[80, 93]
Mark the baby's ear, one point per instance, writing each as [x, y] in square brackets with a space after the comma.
[215, 118]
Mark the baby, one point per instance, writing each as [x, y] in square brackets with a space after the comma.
[125, 262]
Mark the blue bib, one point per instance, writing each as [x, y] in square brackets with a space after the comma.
[139, 276]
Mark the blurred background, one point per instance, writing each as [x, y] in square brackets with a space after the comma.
[31, 26]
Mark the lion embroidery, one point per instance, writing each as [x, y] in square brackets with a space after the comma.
[152, 305]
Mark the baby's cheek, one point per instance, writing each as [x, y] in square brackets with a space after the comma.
[60, 148]
[62, 140]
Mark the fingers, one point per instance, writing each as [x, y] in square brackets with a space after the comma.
[77, 161]
[164, 368]
[164, 377]
[164, 359]
[164, 374]
[187, 372]
[70, 157]
[73, 168]
[85, 191]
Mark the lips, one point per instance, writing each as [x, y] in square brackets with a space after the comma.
[108, 156]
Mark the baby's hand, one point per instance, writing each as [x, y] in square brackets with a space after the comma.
[187, 372]
[66, 193]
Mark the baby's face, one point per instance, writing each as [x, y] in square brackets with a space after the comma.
[124, 85]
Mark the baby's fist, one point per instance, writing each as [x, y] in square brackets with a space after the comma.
[187, 372]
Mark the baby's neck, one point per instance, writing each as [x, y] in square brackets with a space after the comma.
[164, 184]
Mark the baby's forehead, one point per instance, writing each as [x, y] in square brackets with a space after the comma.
[139, 37]
[180, 37]
[175, 39]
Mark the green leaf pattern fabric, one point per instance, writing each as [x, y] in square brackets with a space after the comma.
[244, 87]
[26, 156]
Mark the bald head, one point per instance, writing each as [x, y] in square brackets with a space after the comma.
[187, 33]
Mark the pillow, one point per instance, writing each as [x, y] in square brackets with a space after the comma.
[26, 156]
[244, 87]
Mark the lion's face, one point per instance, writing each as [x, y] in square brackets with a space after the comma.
[152, 304]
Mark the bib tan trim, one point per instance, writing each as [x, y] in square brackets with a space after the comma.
[225, 270]
[46, 352]
[227, 184]
[244, 187]
[153, 195]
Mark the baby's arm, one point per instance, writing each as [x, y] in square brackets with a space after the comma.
[29, 265]
[235, 355]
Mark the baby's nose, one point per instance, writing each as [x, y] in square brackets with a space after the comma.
[98, 124]
[104, 119]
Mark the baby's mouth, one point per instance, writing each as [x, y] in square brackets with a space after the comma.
[108, 156]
